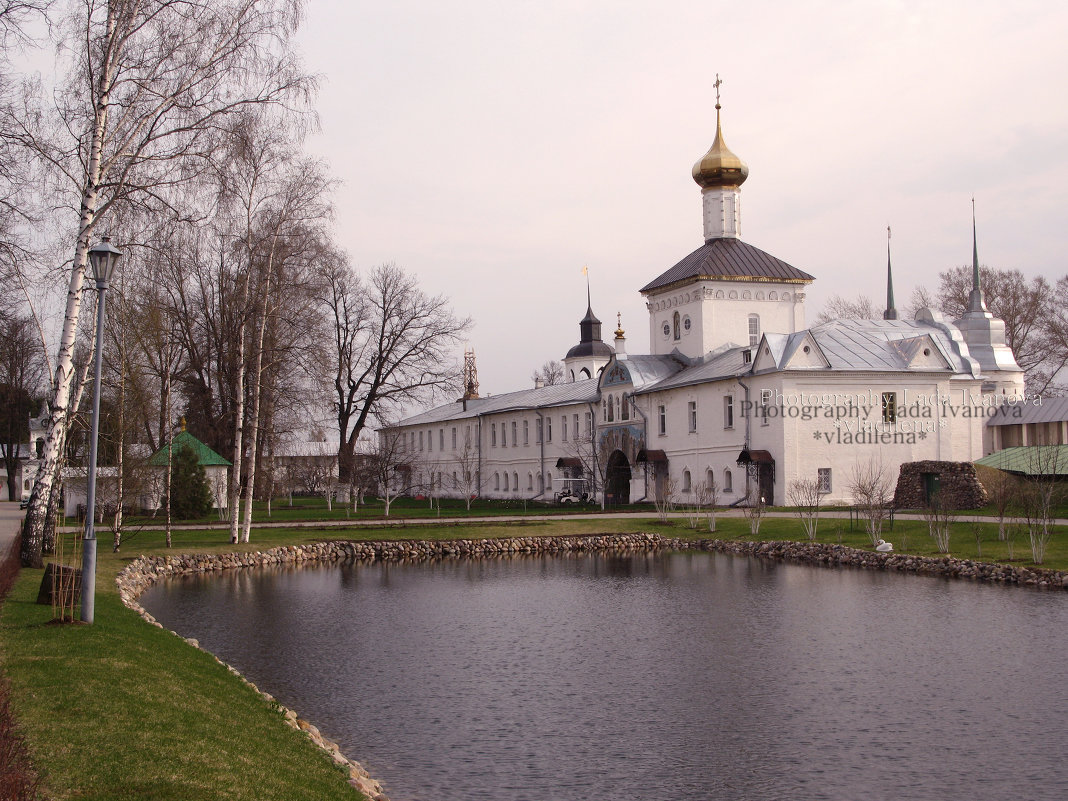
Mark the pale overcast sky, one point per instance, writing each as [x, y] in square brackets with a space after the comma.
[494, 148]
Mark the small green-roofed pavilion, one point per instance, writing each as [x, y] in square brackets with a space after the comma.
[206, 457]
[1030, 460]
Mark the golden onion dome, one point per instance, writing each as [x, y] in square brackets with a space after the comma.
[719, 167]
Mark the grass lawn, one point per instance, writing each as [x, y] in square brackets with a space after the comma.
[123, 710]
[305, 508]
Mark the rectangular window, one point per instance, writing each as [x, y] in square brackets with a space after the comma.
[420, 440]
[889, 407]
[692, 413]
[823, 476]
[413, 441]
[454, 438]
[515, 439]
[574, 419]
[728, 411]
[548, 429]
[661, 418]
[441, 439]
[538, 425]
[493, 434]
[754, 330]
[563, 423]
[765, 402]
[589, 424]
[526, 432]
[430, 441]
[504, 435]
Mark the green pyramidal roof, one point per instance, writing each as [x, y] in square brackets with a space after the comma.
[205, 455]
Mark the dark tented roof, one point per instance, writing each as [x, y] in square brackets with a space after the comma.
[728, 259]
[595, 348]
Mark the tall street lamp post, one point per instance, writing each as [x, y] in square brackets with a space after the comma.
[103, 258]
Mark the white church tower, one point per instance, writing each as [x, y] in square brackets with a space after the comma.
[726, 291]
[985, 336]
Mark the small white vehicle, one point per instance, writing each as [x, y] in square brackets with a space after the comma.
[573, 491]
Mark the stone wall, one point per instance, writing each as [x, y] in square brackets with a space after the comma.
[959, 486]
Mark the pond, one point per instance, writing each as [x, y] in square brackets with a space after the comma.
[661, 675]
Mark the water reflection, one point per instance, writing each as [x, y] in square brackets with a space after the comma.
[683, 676]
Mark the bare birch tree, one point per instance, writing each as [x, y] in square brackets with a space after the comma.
[150, 82]
[805, 495]
[871, 486]
[390, 464]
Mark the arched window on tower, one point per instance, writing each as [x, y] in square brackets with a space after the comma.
[584, 373]
[677, 326]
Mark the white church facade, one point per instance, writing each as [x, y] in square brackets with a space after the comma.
[736, 390]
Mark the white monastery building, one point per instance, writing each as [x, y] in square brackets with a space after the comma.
[736, 389]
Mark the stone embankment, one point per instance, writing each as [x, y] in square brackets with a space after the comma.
[815, 553]
[146, 570]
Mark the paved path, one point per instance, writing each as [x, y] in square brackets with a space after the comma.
[962, 517]
[10, 523]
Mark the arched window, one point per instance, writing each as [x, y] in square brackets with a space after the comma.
[728, 481]
[530, 481]
[506, 482]
[604, 410]
[497, 481]
[515, 481]
[754, 329]
[677, 326]
[710, 478]
[40, 447]
[687, 484]
[541, 482]
[585, 373]
[549, 481]
[625, 411]
[611, 409]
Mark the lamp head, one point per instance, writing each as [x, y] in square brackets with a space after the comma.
[104, 257]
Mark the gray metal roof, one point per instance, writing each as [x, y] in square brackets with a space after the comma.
[1051, 410]
[646, 370]
[728, 259]
[876, 345]
[540, 397]
[729, 364]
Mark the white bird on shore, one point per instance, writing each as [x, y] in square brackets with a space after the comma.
[884, 546]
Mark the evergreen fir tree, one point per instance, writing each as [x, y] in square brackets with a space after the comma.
[190, 493]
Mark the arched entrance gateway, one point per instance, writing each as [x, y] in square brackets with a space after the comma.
[617, 479]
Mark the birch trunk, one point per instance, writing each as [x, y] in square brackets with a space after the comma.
[257, 384]
[33, 532]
